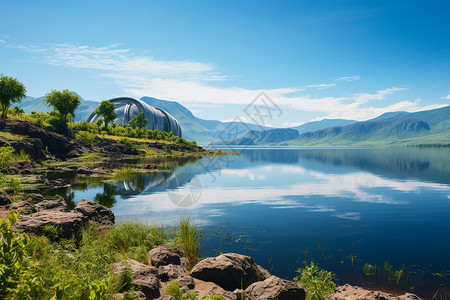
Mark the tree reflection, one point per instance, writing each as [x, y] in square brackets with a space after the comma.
[107, 198]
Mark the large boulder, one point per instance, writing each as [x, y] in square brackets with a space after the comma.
[274, 288]
[59, 205]
[161, 256]
[349, 292]
[95, 212]
[230, 271]
[23, 207]
[145, 277]
[56, 214]
[69, 224]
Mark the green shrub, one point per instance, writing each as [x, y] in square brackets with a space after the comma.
[12, 246]
[173, 289]
[85, 138]
[6, 156]
[317, 283]
[15, 183]
[126, 142]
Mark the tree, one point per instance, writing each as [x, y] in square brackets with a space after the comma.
[139, 121]
[11, 90]
[106, 109]
[64, 105]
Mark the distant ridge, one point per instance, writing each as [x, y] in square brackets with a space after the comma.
[392, 128]
[388, 129]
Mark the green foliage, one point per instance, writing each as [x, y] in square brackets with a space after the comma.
[12, 246]
[130, 236]
[85, 138]
[15, 183]
[22, 156]
[40, 119]
[126, 279]
[126, 142]
[6, 156]
[189, 241]
[213, 297]
[173, 289]
[106, 110]
[123, 172]
[138, 121]
[317, 283]
[35, 267]
[64, 104]
[85, 126]
[11, 90]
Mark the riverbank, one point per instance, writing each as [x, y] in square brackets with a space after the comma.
[134, 261]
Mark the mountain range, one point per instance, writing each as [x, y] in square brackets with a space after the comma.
[393, 128]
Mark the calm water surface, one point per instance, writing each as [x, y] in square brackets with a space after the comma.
[278, 204]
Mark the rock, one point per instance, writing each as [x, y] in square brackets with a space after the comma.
[69, 223]
[171, 272]
[230, 271]
[57, 144]
[8, 190]
[349, 292]
[145, 277]
[120, 149]
[274, 288]
[161, 256]
[32, 146]
[186, 282]
[4, 199]
[95, 212]
[59, 205]
[84, 171]
[23, 207]
[35, 198]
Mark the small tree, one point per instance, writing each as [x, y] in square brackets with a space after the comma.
[106, 110]
[139, 121]
[64, 103]
[11, 90]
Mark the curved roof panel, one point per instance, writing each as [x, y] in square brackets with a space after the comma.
[127, 108]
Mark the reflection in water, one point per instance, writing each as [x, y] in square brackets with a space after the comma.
[107, 198]
[378, 203]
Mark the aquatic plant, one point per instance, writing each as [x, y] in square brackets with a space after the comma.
[318, 283]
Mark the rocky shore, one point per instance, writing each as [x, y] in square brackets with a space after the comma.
[232, 276]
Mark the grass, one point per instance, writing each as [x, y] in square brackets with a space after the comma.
[189, 241]
[123, 172]
[42, 269]
[11, 136]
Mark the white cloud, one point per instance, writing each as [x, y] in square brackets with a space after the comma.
[292, 124]
[196, 82]
[321, 86]
[2, 41]
[446, 97]
[349, 78]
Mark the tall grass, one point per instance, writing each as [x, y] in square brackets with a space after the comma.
[189, 241]
[69, 270]
[123, 172]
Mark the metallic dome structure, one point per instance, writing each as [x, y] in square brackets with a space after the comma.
[126, 108]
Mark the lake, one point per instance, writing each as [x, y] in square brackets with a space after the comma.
[283, 206]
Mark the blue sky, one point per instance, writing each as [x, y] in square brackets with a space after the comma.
[314, 59]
